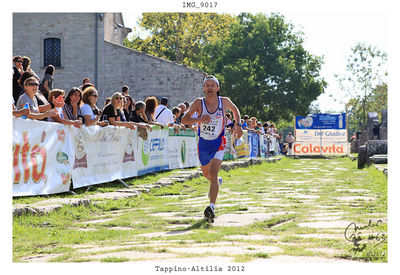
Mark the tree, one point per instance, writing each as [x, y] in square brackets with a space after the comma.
[376, 101]
[265, 69]
[365, 72]
[180, 37]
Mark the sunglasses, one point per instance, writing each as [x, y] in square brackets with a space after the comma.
[33, 84]
[119, 98]
[95, 95]
[18, 61]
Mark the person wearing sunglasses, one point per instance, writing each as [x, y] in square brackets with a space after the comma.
[112, 112]
[44, 105]
[28, 99]
[89, 110]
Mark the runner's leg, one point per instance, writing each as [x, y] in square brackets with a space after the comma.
[214, 166]
[205, 169]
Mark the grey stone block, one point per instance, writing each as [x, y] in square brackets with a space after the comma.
[362, 156]
[376, 147]
[378, 159]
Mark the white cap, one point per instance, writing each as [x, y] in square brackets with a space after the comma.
[210, 77]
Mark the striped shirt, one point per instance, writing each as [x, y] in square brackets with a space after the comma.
[69, 112]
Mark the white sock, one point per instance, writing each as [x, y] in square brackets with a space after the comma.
[212, 206]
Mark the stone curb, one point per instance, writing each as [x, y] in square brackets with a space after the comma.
[47, 206]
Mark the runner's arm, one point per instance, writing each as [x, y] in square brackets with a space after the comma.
[236, 115]
[232, 107]
[187, 117]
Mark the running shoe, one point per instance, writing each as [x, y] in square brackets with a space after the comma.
[209, 214]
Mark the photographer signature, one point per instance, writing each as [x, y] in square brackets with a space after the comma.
[353, 233]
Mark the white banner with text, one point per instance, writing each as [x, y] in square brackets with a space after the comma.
[42, 157]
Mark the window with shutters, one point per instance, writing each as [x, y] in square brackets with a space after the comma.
[52, 52]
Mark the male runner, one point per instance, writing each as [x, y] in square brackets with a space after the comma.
[211, 114]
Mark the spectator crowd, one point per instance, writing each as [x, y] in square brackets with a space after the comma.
[36, 98]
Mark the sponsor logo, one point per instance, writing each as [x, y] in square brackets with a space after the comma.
[60, 135]
[145, 152]
[33, 161]
[154, 145]
[313, 149]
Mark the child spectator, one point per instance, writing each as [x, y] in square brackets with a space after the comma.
[54, 94]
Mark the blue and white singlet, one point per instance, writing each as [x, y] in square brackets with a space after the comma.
[212, 140]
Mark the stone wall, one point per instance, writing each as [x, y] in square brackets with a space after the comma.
[116, 65]
[112, 32]
[76, 31]
[147, 75]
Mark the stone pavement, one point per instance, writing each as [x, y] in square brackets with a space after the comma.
[317, 222]
[48, 205]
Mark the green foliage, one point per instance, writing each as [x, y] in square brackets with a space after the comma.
[260, 60]
[376, 101]
[180, 37]
[365, 83]
[265, 69]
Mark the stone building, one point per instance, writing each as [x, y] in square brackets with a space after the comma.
[90, 45]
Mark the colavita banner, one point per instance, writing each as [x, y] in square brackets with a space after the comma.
[182, 149]
[317, 148]
[325, 135]
[42, 157]
[321, 121]
[321, 134]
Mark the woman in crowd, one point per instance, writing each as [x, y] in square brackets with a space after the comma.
[106, 102]
[129, 106]
[47, 83]
[53, 96]
[71, 109]
[17, 72]
[89, 110]
[122, 113]
[31, 85]
[26, 66]
[44, 105]
[151, 105]
[113, 110]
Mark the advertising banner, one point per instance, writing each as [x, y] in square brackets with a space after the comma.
[241, 145]
[264, 142]
[42, 157]
[325, 135]
[321, 121]
[103, 154]
[253, 144]
[320, 148]
[230, 152]
[182, 149]
[153, 151]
